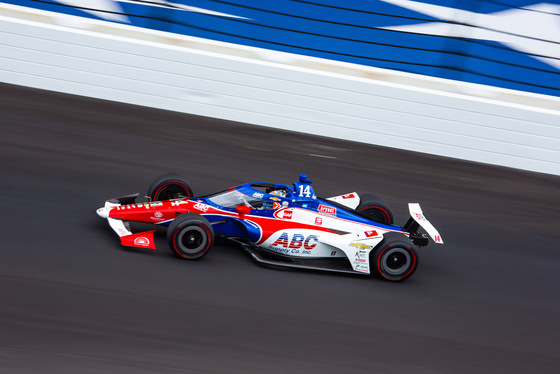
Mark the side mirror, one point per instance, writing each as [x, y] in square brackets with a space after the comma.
[242, 210]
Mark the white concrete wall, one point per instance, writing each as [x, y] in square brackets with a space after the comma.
[273, 90]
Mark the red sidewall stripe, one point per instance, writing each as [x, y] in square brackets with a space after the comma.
[383, 210]
[381, 256]
[208, 234]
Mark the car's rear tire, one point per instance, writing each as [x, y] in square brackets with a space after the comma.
[169, 186]
[190, 236]
[376, 209]
[395, 258]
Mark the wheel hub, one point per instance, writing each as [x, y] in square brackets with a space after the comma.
[396, 261]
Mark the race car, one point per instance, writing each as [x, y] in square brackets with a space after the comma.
[277, 224]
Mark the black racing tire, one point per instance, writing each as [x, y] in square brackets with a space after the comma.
[395, 258]
[190, 236]
[376, 209]
[169, 186]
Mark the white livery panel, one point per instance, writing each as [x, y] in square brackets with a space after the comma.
[319, 244]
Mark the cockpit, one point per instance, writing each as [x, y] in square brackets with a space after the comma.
[255, 196]
[265, 196]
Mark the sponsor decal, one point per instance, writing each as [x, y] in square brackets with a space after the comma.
[258, 195]
[420, 216]
[360, 256]
[276, 205]
[371, 233]
[297, 241]
[297, 244]
[201, 207]
[361, 268]
[142, 241]
[310, 242]
[140, 205]
[326, 209]
[179, 202]
[437, 239]
[282, 241]
[275, 198]
[283, 213]
[158, 216]
[349, 196]
[360, 245]
[318, 221]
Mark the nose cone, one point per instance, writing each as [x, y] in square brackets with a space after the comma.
[103, 212]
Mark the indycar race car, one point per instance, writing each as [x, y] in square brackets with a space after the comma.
[277, 224]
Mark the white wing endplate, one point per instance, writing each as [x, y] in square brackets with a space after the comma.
[418, 216]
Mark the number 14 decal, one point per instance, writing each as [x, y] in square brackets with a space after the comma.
[304, 190]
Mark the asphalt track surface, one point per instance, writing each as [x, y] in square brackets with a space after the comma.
[74, 301]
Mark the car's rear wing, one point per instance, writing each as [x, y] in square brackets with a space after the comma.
[418, 219]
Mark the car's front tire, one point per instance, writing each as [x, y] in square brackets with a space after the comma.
[190, 236]
[395, 258]
[169, 186]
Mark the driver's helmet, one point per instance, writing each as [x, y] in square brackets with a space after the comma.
[280, 193]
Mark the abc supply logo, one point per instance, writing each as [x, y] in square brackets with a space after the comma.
[201, 207]
[297, 244]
